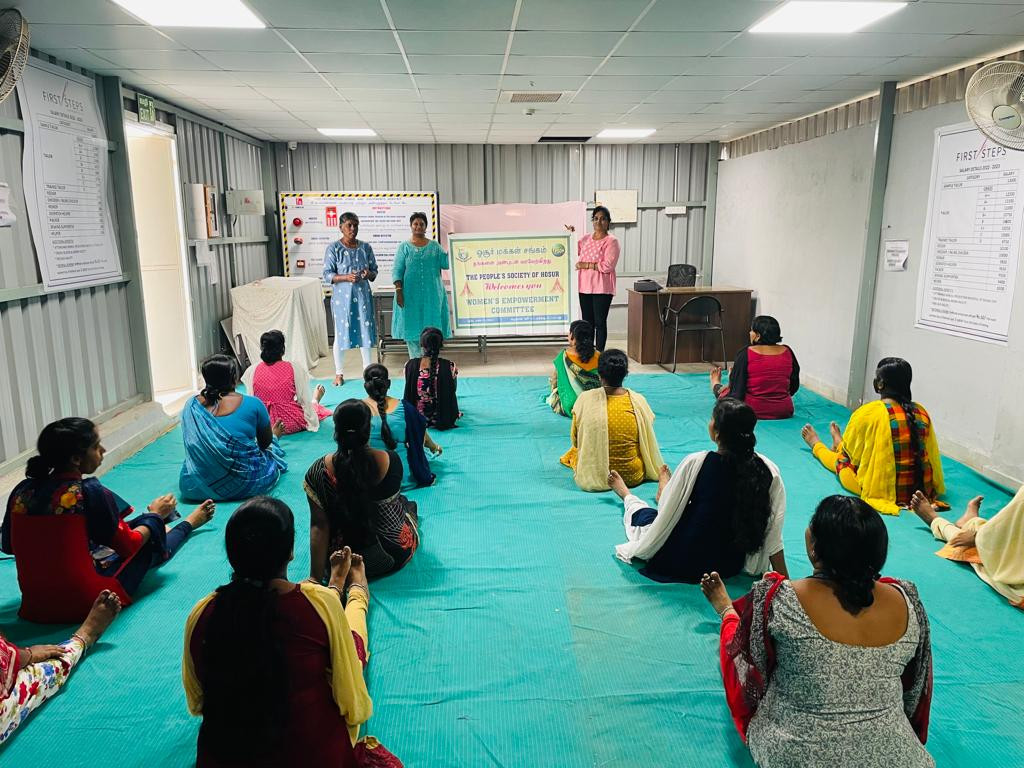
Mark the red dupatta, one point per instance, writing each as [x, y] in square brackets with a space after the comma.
[747, 656]
[8, 667]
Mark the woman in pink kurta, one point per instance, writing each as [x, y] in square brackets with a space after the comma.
[284, 388]
[597, 255]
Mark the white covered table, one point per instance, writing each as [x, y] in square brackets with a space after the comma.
[292, 305]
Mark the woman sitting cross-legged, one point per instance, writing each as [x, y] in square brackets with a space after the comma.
[394, 421]
[275, 668]
[888, 449]
[431, 382]
[765, 375]
[575, 369]
[284, 388]
[994, 547]
[29, 676]
[612, 429]
[231, 449]
[355, 500]
[834, 669]
[69, 534]
[719, 511]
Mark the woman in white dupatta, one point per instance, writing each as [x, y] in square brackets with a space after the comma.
[719, 511]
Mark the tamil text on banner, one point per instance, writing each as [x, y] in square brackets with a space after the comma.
[310, 222]
[511, 284]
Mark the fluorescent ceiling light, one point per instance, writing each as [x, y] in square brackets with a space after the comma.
[347, 131]
[193, 13]
[624, 133]
[800, 17]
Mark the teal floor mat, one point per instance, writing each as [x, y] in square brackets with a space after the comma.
[514, 637]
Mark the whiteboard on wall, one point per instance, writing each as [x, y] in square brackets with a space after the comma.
[66, 174]
[621, 203]
[972, 236]
[310, 223]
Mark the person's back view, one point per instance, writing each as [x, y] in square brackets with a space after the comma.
[431, 382]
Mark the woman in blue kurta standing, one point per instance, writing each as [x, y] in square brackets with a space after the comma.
[421, 300]
[349, 268]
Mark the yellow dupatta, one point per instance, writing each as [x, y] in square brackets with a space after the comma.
[1000, 543]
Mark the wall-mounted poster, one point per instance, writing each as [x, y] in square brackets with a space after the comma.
[66, 173]
[621, 202]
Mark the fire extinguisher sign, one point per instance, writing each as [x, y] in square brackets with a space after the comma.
[309, 225]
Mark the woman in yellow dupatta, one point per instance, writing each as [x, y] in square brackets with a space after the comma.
[993, 547]
[888, 449]
[612, 429]
[274, 668]
[575, 369]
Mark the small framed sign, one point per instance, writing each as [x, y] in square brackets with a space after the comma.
[147, 109]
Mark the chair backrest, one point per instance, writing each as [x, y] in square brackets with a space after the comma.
[703, 306]
[681, 276]
[55, 569]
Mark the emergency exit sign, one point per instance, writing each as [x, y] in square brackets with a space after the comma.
[147, 109]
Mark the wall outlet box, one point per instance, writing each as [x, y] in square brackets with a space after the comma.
[244, 202]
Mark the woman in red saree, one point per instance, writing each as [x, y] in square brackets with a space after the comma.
[834, 669]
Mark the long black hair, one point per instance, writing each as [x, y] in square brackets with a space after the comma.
[582, 334]
[850, 544]
[355, 469]
[58, 443]
[748, 476]
[245, 681]
[220, 377]
[376, 382]
[612, 367]
[271, 347]
[767, 328]
[892, 380]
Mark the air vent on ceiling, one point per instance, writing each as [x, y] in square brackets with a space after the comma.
[531, 97]
[564, 139]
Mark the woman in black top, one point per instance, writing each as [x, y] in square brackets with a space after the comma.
[355, 500]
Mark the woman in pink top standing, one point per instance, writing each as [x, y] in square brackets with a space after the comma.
[597, 255]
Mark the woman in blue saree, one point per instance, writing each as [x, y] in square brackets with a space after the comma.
[231, 449]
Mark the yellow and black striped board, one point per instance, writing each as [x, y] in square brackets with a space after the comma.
[310, 222]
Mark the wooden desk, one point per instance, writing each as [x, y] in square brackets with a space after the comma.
[644, 332]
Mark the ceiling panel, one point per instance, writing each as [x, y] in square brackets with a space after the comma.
[553, 65]
[321, 14]
[195, 77]
[705, 15]
[615, 15]
[297, 95]
[136, 36]
[688, 96]
[136, 59]
[541, 83]
[646, 65]
[482, 15]
[371, 81]
[672, 43]
[834, 65]
[1010, 25]
[460, 95]
[564, 43]
[335, 41]
[726, 65]
[261, 40]
[969, 46]
[630, 83]
[669, 108]
[790, 83]
[906, 67]
[255, 62]
[61, 12]
[443, 64]
[481, 43]
[278, 79]
[455, 82]
[379, 94]
[710, 83]
[365, 63]
[947, 18]
[88, 59]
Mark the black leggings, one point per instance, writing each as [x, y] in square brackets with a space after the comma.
[594, 308]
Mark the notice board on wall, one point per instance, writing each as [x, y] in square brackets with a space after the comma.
[310, 222]
[972, 239]
[66, 174]
[511, 284]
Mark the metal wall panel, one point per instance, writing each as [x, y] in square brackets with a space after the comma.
[475, 174]
[207, 156]
[61, 354]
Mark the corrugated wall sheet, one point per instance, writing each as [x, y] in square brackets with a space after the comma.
[206, 156]
[475, 174]
[63, 354]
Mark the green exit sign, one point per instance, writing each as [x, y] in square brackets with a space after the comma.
[147, 109]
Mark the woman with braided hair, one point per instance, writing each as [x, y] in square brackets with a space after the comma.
[231, 448]
[834, 669]
[721, 510]
[431, 381]
[888, 449]
[355, 500]
[394, 422]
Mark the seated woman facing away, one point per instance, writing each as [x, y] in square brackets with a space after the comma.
[764, 375]
[612, 429]
[68, 533]
[834, 669]
[431, 381]
[575, 369]
[355, 500]
[719, 511]
[889, 447]
[284, 388]
[276, 668]
[231, 450]
[993, 547]
[29, 676]
[394, 421]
